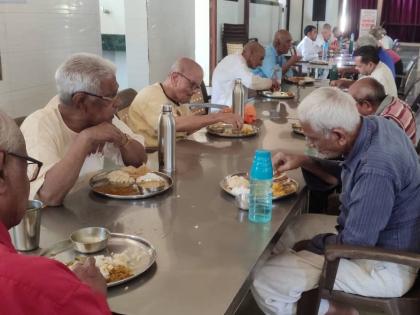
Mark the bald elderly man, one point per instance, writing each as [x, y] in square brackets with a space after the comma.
[238, 66]
[371, 100]
[182, 82]
[274, 55]
[30, 284]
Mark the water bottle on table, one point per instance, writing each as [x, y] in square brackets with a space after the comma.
[277, 74]
[261, 180]
[166, 140]
[238, 98]
[325, 51]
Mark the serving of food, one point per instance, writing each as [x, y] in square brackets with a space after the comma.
[124, 258]
[226, 130]
[300, 80]
[238, 183]
[278, 94]
[297, 128]
[130, 183]
[319, 62]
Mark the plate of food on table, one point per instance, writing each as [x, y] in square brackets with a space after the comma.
[130, 183]
[229, 131]
[300, 80]
[278, 94]
[124, 257]
[238, 183]
[297, 129]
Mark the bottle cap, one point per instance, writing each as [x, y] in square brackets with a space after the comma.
[166, 108]
[237, 80]
[261, 167]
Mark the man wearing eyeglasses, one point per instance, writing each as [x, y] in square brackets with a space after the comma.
[29, 284]
[179, 86]
[78, 130]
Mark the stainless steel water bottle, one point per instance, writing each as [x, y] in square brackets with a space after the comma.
[238, 98]
[166, 140]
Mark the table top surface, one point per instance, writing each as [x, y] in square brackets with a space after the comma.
[206, 247]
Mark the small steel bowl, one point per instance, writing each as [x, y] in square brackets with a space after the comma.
[90, 240]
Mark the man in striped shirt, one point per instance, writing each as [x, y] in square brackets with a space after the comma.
[372, 100]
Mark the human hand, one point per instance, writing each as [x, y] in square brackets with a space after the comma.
[285, 162]
[275, 86]
[294, 58]
[231, 118]
[105, 132]
[89, 274]
[301, 245]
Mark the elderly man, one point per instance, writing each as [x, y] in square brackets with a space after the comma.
[380, 207]
[29, 284]
[77, 130]
[326, 36]
[237, 67]
[308, 48]
[368, 64]
[180, 84]
[274, 55]
[371, 100]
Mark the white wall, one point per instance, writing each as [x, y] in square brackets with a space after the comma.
[171, 34]
[295, 17]
[136, 42]
[227, 12]
[202, 37]
[264, 21]
[331, 14]
[114, 21]
[35, 38]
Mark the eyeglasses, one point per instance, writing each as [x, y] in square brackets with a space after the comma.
[105, 98]
[33, 165]
[194, 86]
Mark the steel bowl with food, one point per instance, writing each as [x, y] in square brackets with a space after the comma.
[90, 240]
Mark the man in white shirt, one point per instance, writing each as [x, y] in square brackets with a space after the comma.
[308, 47]
[238, 67]
[368, 64]
[78, 130]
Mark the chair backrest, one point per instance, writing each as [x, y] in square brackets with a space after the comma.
[412, 96]
[233, 34]
[410, 75]
[19, 120]
[125, 98]
[200, 96]
[234, 48]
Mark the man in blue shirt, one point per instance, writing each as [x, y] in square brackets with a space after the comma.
[274, 55]
[380, 207]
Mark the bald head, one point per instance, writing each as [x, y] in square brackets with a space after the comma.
[368, 93]
[11, 138]
[254, 54]
[186, 66]
[282, 41]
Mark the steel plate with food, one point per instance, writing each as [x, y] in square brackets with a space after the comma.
[130, 183]
[238, 183]
[300, 80]
[319, 62]
[278, 94]
[297, 128]
[228, 131]
[124, 258]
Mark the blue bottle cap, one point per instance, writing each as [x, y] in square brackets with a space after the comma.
[262, 168]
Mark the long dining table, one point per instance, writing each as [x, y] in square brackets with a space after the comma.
[206, 248]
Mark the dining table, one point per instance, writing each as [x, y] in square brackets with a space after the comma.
[207, 249]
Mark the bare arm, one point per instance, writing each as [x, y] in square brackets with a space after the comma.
[283, 162]
[133, 153]
[292, 60]
[193, 123]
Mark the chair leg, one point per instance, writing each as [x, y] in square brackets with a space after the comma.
[308, 302]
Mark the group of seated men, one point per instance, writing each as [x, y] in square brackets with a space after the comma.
[78, 130]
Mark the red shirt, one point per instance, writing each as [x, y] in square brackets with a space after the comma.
[37, 285]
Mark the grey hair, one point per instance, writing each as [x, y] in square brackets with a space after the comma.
[82, 72]
[328, 108]
[11, 138]
[367, 40]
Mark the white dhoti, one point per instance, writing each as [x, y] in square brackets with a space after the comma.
[279, 284]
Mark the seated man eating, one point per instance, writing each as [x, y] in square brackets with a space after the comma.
[78, 130]
[380, 206]
[179, 86]
[30, 284]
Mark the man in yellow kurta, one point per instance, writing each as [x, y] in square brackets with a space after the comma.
[181, 83]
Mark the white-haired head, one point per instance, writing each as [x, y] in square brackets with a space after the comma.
[82, 72]
[367, 40]
[328, 108]
[11, 138]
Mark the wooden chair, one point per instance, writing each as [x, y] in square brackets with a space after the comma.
[125, 98]
[408, 304]
[19, 120]
[200, 96]
[235, 35]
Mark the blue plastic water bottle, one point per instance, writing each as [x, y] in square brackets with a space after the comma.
[325, 51]
[277, 74]
[261, 180]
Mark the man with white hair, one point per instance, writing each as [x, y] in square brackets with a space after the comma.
[30, 284]
[78, 130]
[238, 66]
[326, 36]
[380, 206]
[179, 86]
